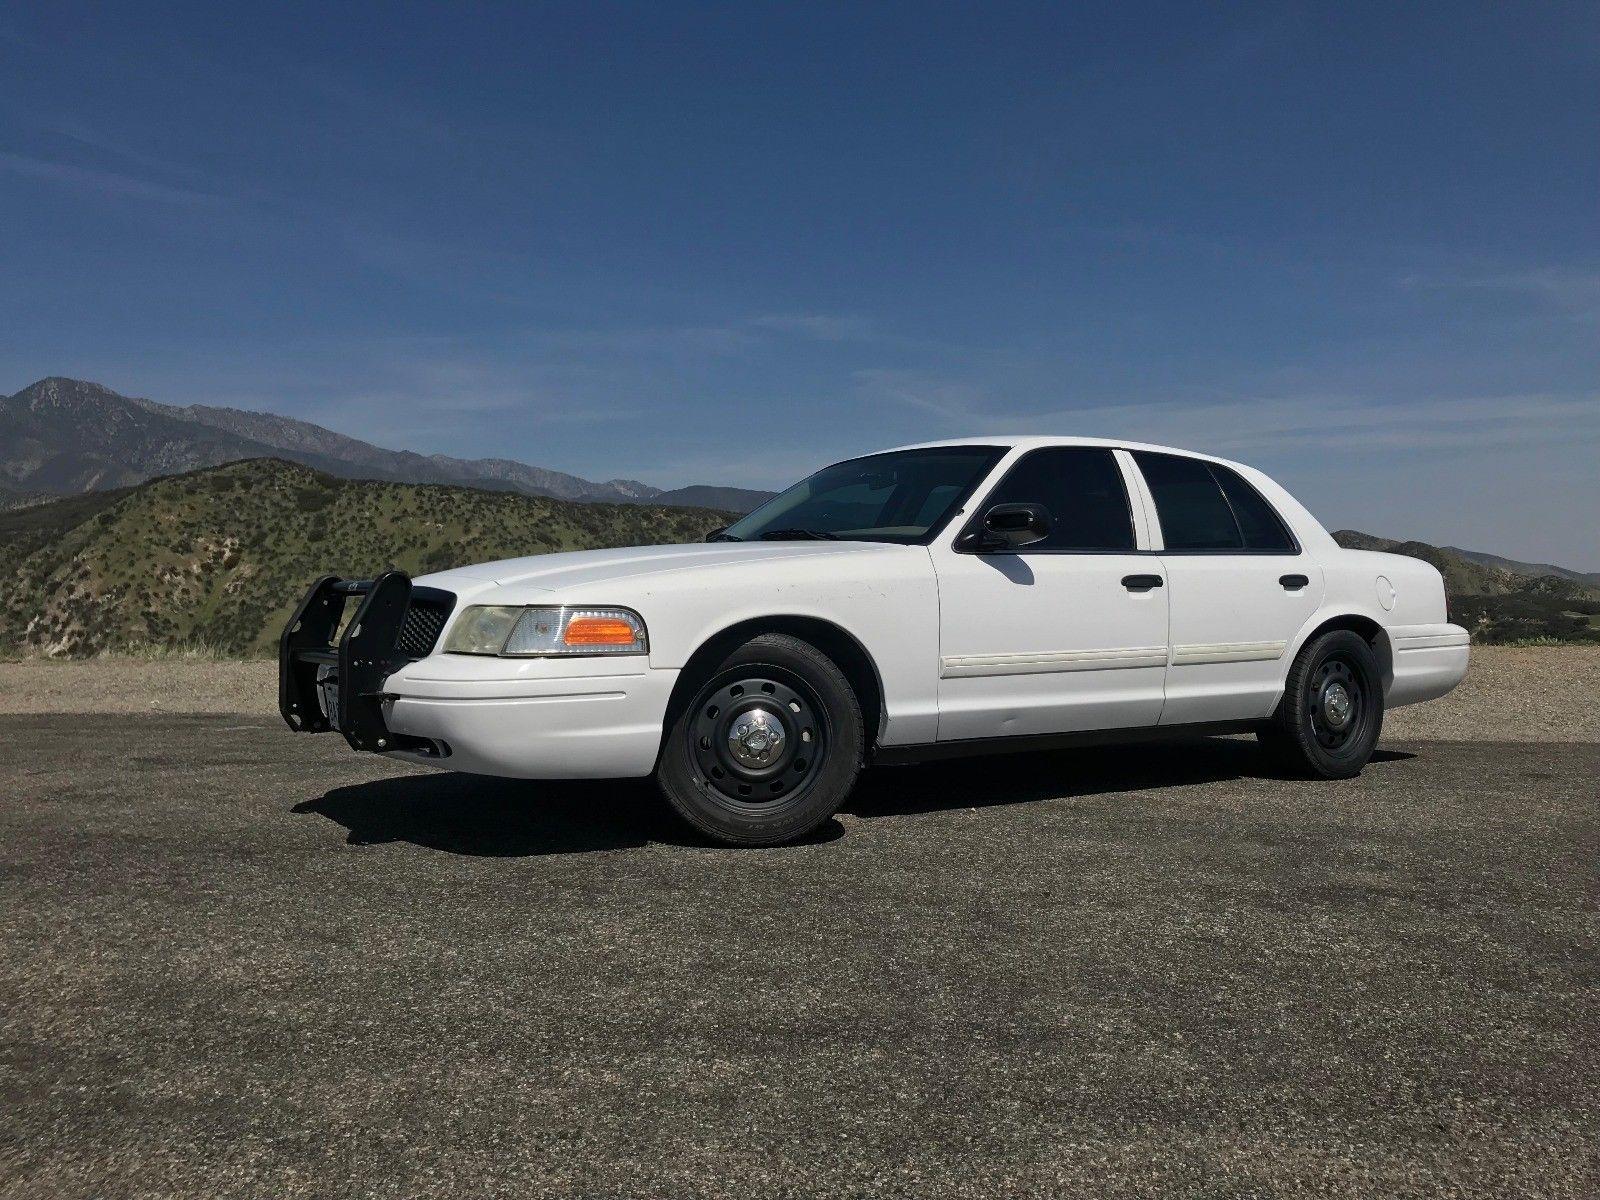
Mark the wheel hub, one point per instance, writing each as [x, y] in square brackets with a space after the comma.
[1336, 705]
[756, 738]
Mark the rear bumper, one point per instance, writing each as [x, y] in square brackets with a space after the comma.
[1429, 660]
[573, 727]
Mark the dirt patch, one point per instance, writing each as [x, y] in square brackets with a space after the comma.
[1512, 694]
[136, 685]
[1533, 694]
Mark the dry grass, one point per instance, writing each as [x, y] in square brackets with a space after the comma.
[1512, 693]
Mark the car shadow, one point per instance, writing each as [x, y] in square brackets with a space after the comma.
[993, 780]
[500, 818]
[510, 818]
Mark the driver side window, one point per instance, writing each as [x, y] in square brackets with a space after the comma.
[1082, 489]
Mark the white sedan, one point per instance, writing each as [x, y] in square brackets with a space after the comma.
[952, 598]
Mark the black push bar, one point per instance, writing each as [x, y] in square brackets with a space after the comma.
[367, 652]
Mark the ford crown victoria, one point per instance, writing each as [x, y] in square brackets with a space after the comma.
[950, 598]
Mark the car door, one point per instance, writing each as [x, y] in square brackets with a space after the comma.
[1067, 634]
[1238, 584]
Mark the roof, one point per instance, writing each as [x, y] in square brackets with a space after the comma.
[1035, 441]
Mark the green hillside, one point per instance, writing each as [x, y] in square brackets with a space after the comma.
[220, 556]
[1498, 604]
[1462, 576]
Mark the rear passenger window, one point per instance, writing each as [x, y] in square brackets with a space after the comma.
[1194, 513]
[1258, 521]
[1082, 488]
[1206, 506]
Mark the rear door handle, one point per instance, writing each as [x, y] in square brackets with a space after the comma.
[1141, 583]
[1293, 582]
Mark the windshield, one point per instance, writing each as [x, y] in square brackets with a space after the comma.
[903, 496]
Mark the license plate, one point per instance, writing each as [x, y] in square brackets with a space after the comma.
[328, 694]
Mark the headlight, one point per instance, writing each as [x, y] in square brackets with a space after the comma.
[544, 629]
[482, 630]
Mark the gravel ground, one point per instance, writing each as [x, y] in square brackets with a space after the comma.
[138, 685]
[241, 962]
[1511, 694]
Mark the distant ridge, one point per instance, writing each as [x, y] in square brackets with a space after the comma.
[61, 436]
[217, 557]
[1462, 576]
[1502, 603]
[1592, 578]
[728, 499]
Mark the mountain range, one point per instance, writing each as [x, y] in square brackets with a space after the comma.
[59, 436]
[217, 557]
[124, 521]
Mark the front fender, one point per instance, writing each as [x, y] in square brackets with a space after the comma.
[886, 602]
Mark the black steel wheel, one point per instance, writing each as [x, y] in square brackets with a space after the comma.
[1331, 714]
[768, 747]
[1334, 703]
[759, 738]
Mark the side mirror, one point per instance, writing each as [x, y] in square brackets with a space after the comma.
[1007, 527]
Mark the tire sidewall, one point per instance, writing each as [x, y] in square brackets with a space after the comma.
[683, 785]
[1296, 721]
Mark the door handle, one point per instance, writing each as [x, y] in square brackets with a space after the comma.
[1141, 583]
[1293, 582]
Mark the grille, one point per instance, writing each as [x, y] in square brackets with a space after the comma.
[420, 630]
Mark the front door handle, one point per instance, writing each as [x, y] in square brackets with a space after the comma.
[1141, 583]
[1293, 582]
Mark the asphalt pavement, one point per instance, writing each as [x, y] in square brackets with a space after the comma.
[241, 962]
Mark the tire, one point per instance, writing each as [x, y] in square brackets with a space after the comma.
[726, 773]
[1314, 730]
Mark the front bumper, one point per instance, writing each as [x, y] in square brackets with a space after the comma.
[529, 718]
[331, 671]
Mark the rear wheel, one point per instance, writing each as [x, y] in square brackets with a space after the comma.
[768, 748]
[1332, 709]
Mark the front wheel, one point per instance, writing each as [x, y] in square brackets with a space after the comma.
[768, 748]
[1332, 709]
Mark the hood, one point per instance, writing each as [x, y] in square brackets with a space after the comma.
[551, 571]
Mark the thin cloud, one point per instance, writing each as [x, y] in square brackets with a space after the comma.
[1574, 291]
[106, 183]
[650, 340]
[92, 139]
[822, 327]
[1269, 423]
[711, 339]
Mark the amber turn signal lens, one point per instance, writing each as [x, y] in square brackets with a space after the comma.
[599, 631]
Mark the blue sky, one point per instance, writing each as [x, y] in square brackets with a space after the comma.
[1353, 244]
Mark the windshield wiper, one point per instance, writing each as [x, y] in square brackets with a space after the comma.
[720, 536]
[797, 535]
